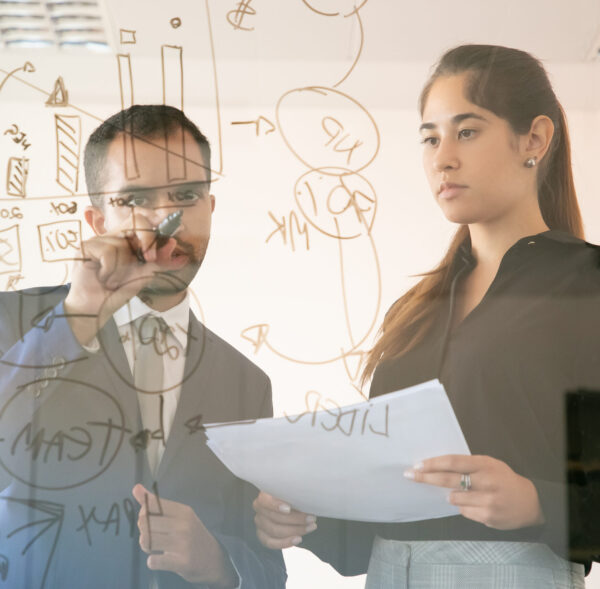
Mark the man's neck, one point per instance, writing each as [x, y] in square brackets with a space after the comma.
[162, 303]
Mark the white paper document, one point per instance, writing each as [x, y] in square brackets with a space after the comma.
[348, 462]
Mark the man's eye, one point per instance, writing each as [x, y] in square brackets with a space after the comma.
[190, 195]
[136, 200]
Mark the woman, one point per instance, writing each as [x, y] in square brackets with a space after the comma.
[508, 322]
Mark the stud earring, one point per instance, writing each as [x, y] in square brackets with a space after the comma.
[530, 163]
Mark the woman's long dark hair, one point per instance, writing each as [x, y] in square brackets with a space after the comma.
[514, 86]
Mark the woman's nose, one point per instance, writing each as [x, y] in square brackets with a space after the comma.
[445, 156]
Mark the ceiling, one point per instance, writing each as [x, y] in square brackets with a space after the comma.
[262, 48]
[396, 30]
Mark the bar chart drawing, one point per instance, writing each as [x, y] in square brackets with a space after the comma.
[68, 148]
[126, 90]
[172, 83]
[16, 176]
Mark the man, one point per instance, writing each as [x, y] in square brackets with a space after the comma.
[106, 385]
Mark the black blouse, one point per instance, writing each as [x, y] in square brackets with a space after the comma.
[506, 368]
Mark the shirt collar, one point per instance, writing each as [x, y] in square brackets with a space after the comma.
[464, 256]
[177, 317]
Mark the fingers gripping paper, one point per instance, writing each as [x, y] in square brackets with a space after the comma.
[349, 462]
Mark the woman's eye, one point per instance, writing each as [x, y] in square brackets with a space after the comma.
[466, 133]
[190, 196]
[429, 140]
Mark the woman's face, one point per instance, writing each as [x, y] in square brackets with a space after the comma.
[472, 158]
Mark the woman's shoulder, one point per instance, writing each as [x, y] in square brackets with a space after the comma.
[572, 256]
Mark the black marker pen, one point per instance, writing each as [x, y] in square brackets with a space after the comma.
[166, 229]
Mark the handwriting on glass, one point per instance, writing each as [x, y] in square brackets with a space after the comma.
[19, 137]
[330, 416]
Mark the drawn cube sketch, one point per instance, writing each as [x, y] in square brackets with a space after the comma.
[10, 250]
[16, 176]
[68, 148]
[60, 241]
[127, 37]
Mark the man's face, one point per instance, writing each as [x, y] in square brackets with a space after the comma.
[150, 197]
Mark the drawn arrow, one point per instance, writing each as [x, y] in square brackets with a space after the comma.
[257, 123]
[26, 67]
[55, 513]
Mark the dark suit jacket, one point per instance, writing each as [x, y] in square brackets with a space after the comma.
[70, 453]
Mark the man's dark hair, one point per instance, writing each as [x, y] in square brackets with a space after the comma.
[142, 121]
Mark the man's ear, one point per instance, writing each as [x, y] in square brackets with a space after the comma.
[95, 219]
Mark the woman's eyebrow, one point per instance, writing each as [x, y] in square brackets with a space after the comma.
[456, 119]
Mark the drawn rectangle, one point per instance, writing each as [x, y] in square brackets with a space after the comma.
[127, 37]
[16, 176]
[68, 148]
[172, 80]
[126, 89]
[60, 241]
[10, 250]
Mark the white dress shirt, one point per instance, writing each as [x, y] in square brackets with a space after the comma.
[177, 319]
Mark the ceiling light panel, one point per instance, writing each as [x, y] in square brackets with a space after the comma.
[60, 24]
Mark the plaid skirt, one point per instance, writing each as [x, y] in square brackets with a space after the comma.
[469, 565]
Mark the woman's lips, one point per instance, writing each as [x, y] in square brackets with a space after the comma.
[448, 191]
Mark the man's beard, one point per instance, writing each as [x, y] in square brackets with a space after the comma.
[169, 282]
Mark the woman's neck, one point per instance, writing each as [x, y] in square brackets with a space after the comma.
[490, 241]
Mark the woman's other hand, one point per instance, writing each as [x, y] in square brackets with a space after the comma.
[498, 497]
[278, 525]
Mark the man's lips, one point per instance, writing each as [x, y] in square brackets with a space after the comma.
[177, 260]
[179, 257]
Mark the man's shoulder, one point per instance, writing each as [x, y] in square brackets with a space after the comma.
[32, 300]
[39, 292]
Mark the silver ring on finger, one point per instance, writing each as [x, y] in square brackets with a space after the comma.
[465, 482]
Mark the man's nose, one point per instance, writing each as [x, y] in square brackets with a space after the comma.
[159, 210]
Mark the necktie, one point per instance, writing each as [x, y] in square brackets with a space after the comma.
[149, 381]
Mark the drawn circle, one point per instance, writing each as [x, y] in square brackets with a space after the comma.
[335, 7]
[337, 202]
[113, 356]
[327, 129]
[194, 296]
[74, 393]
[175, 22]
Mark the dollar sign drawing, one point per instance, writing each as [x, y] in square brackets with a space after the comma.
[236, 17]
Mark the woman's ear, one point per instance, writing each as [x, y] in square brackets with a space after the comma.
[95, 219]
[537, 141]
